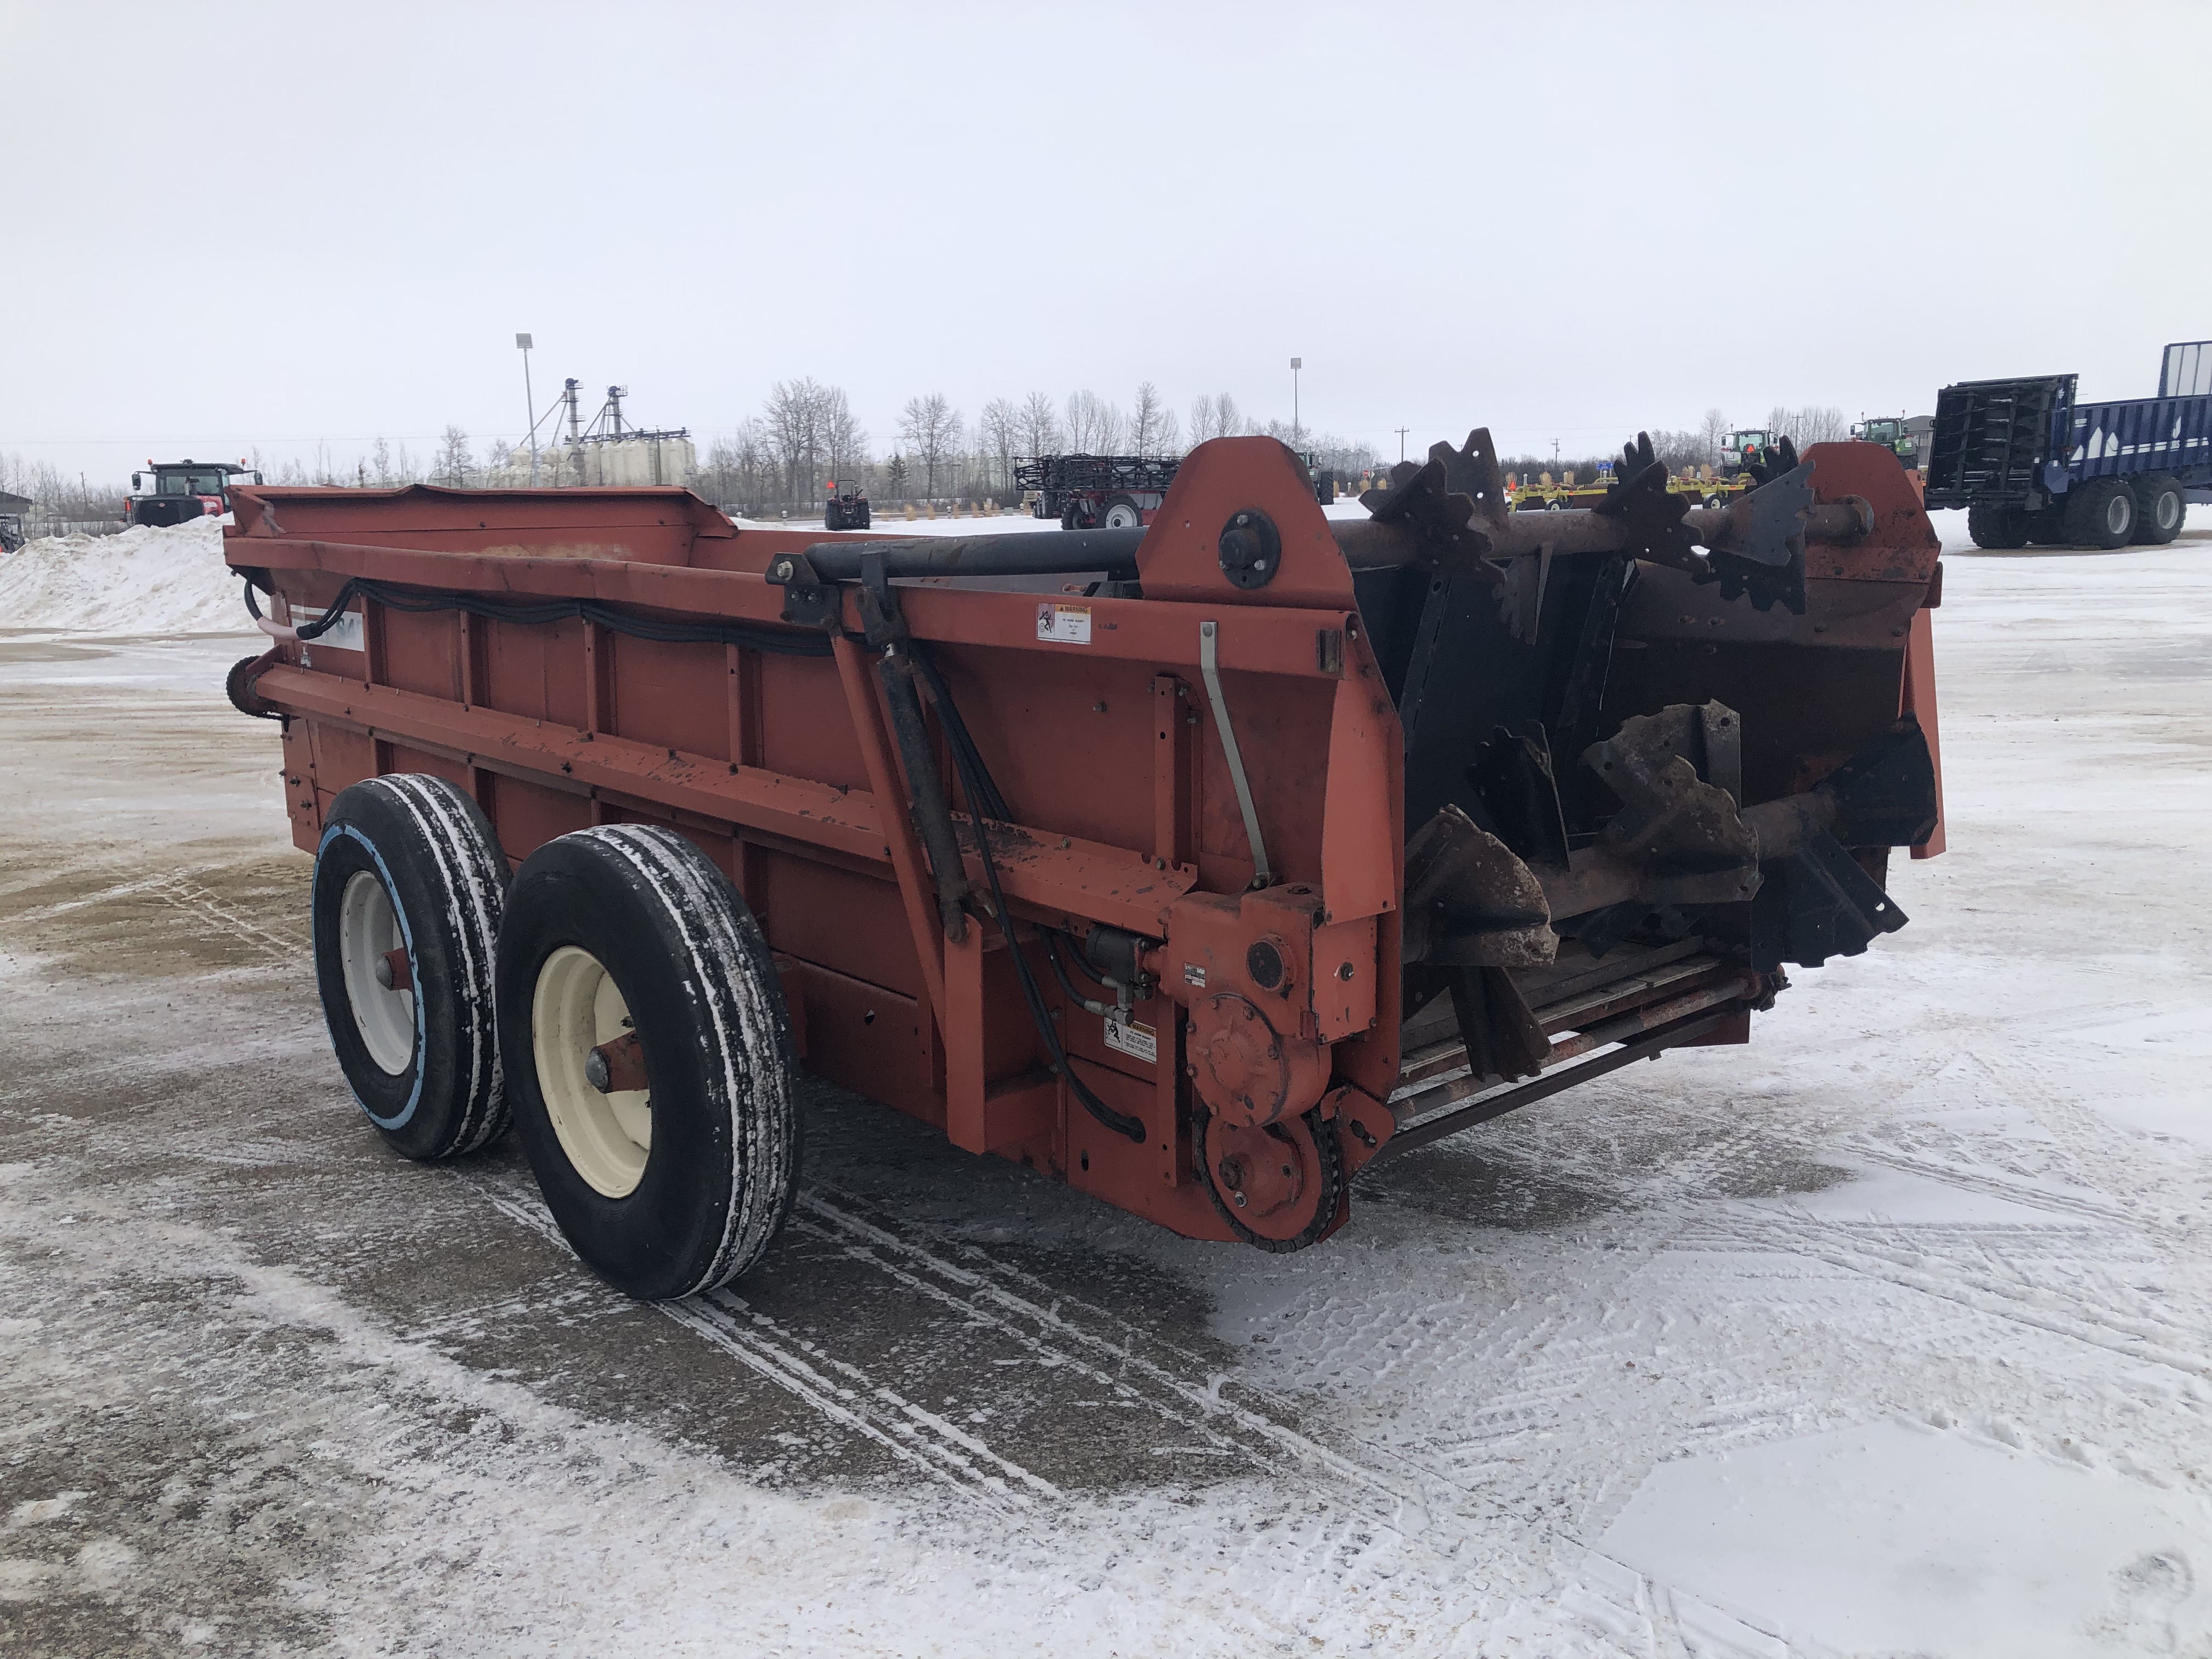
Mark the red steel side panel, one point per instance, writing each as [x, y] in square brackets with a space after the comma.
[1109, 751]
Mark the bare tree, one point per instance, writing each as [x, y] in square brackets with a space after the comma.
[1169, 441]
[452, 466]
[1710, 431]
[1148, 420]
[796, 419]
[1089, 417]
[1039, 425]
[931, 429]
[1815, 423]
[844, 442]
[1000, 430]
[1215, 417]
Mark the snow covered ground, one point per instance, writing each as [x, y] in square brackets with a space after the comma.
[147, 579]
[1891, 1334]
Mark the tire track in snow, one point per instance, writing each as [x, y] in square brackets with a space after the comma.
[840, 1391]
[199, 901]
[1234, 1415]
[2149, 1341]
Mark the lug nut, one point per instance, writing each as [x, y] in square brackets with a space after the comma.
[596, 1072]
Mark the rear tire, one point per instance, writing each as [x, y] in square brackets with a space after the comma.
[2101, 514]
[1122, 513]
[1998, 527]
[2161, 510]
[408, 873]
[633, 921]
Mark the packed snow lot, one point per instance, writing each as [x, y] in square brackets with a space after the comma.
[1889, 1333]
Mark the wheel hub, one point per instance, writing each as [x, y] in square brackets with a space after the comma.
[1278, 1186]
[372, 960]
[591, 1071]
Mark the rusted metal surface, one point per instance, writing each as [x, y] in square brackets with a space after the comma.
[925, 782]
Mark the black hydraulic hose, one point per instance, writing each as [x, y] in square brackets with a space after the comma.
[983, 796]
[637, 628]
[1043, 553]
[932, 815]
[1067, 986]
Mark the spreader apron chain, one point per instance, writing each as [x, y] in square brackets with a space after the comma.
[1209, 664]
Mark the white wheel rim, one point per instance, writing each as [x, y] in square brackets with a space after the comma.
[575, 1007]
[2117, 515]
[1121, 518]
[368, 929]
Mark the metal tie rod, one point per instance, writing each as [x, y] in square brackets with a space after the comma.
[1209, 664]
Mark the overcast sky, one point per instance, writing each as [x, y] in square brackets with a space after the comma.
[224, 227]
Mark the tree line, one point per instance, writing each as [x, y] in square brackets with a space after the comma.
[805, 435]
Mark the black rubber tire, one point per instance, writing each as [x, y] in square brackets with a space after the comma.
[2092, 516]
[833, 516]
[1998, 527]
[690, 962]
[865, 517]
[430, 847]
[1128, 506]
[2160, 510]
[238, 686]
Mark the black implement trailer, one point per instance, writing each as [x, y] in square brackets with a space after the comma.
[12, 508]
[1093, 492]
[1116, 492]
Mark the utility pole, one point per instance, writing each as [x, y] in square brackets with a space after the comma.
[529, 405]
[1296, 431]
[1402, 431]
[1555, 451]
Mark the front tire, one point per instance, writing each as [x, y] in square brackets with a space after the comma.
[405, 909]
[679, 1182]
[2101, 514]
[1122, 513]
[1998, 527]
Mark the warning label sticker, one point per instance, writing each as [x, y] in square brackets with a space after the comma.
[1070, 624]
[1136, 1041]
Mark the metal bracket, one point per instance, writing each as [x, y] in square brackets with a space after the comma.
[808, 601]
[1209, 664]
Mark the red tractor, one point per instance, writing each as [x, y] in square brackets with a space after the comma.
[183, 491]
[847, 512]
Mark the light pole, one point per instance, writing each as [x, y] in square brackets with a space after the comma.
[530, 405]
[1296, 431]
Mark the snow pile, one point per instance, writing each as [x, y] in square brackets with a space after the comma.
[149, 580]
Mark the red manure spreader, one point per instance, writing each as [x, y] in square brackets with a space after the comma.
[1197, 866]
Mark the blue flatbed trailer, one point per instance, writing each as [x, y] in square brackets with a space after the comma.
[2031, 464]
